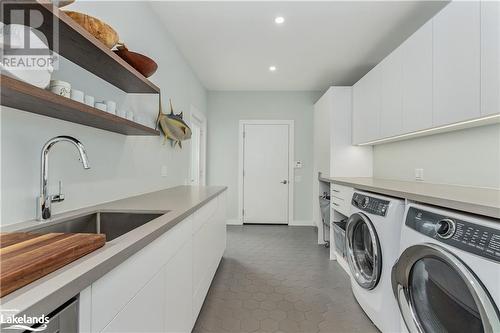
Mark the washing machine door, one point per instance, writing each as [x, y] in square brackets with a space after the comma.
[437, 292]
[363, 251]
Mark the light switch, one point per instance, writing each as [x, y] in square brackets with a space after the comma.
[419, 174]
[163, 171]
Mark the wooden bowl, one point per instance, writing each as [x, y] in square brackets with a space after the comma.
[144, 65]
[97, 28]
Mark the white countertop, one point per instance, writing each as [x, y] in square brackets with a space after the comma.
[45, 294]
[475, 200]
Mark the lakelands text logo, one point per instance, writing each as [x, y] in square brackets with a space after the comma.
[22, 323]
[29, 38]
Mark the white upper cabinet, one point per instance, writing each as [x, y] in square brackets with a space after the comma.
[416, 53]
[391, 122]
[367, 103]
[456, 62]
[490, 57]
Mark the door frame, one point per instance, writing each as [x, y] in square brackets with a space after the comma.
[291, 150]
[202, 120]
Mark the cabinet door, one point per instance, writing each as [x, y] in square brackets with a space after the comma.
[178, 291]
[490, 57]
[321, 134]
[144, 312]
[417, 80]
[367, 102]
[391, 114]
[456, 54]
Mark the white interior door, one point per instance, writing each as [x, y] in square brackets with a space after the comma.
[266, 173]
[198, 147]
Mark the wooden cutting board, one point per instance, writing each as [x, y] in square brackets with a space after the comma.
[26, 257]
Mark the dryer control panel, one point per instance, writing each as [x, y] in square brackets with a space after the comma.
[369, 204]
[470, 237]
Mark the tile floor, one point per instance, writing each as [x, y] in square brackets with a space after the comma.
[276, 279]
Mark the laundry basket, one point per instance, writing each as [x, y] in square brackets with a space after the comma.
[324, 205]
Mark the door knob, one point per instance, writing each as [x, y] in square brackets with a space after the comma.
[284, 182]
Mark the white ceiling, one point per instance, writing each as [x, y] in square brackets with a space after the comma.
[230, 45]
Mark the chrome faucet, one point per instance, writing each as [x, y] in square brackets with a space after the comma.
[45, 200]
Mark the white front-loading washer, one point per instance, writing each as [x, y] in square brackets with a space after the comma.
[447, 278]
[372, 244]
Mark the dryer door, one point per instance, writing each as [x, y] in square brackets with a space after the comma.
[363, 251]
[437, 292]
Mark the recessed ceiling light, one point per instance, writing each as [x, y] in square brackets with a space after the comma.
[272, 68]
[279, 20]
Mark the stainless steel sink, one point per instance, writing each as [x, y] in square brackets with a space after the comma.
[112, 224]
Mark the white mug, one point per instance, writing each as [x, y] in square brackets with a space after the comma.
[111, 106]
[77, 95]
[61, 88]
[121, 113]
[89, 100]
[101, 106]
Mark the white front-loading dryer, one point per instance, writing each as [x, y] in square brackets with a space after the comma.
[447, 278]
[372, 243]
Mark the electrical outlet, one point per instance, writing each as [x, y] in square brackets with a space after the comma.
[298, 165]
[163, 171]
[419, 174]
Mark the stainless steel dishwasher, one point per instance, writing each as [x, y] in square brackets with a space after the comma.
[64, 319]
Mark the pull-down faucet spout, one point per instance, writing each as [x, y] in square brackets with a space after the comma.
[45, 200]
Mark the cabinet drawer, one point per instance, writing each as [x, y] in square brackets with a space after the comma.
[204, 214]
[341, 192]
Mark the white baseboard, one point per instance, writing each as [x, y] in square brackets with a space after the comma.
[233, 222]
[308, 223]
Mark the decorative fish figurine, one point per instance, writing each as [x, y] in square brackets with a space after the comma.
[173, 126]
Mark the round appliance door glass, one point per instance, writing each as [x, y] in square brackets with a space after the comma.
[363, 251]
[438, 293]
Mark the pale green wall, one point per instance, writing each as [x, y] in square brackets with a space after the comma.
[227, 108]
[467, 157]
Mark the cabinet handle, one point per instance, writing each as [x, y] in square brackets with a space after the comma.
[336, 191]
[336, 204]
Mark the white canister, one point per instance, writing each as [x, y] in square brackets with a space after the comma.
[77, 95]
[121, 113]
[61, 88]
[89, 100]
[111, 106]
[101, 106]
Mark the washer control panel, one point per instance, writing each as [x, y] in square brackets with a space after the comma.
[369, 204]
[470, 237]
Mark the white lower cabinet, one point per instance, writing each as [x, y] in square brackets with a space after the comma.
[178, 311]
[161, 288]
[145, 311]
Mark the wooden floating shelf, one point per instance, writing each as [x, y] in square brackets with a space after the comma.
[80, 47]
[24, 96]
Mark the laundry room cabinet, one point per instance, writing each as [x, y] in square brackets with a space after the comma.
[456, 62]
[333, 153]
[447, 72]
[391, 76]
[367, 106]
[490, 57]
[416, 83]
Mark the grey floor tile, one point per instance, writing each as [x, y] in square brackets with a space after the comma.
[277, 279]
